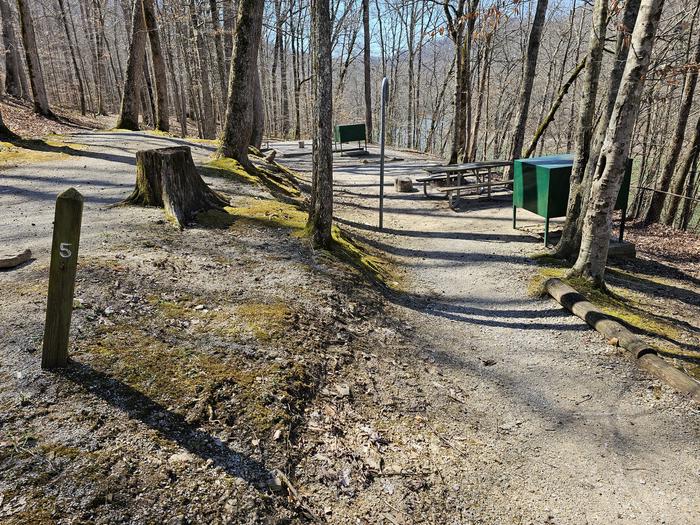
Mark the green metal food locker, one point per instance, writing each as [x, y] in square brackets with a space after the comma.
[541, 185]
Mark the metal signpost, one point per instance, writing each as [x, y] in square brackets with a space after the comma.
[385, 95]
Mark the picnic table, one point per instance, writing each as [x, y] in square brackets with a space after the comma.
[451, 179]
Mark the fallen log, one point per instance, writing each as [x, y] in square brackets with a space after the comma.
[11, 261]
[645, 354]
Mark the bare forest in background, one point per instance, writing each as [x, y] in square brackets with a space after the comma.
[426, 49]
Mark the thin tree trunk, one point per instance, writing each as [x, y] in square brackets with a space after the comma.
[533, 48]
[367, 69]
[679, 180]
[208, 119]
[219, 46]
[616, 147]
[36, 75]
[162, 119]
[658, 199]
[547, 120]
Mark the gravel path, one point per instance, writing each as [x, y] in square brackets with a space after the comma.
[563, 428]
[96, 169]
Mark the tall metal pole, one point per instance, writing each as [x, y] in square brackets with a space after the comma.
[382, 136]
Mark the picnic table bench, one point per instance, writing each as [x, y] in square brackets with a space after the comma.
[451, 179]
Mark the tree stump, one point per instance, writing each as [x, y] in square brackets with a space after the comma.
[403, 184]
[167, 178]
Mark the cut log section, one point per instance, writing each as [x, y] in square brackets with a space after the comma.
[645, 354]
[167, 178]
[403, 184]
[11, 261]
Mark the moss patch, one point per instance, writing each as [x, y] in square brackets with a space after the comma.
[231, 169]
[195, 384]
[624, 303]
[266, 320]
[378, 268]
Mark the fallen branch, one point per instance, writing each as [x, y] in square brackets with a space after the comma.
[645, 354]
[11, 261]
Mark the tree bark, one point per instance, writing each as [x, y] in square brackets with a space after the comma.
[162, 119]
[367, 69]
[129, 110]
[238, 127]
[578, 189]
[74, 60]
[36, 75]
[321, 205]
[5, 132]
[533, 48]
[456, 31]
[258, 127]
[208, 119]
[13, 63]
[663, 184]
[616, 147]
[167, 178]
[681, 175]
[219, 46]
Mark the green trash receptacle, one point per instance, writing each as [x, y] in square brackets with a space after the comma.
[541, 185]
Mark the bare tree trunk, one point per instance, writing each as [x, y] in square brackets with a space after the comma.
[129, 110]
[258, 127]
[569, 241]
[367, 68]
[208, 119]
[455, 27]
[547, 120]
[658, 199]
[681, 175]
[36, 75]
[229, 24]
[284, 95]
[219, 46]
[533, 48]
[162, 119]
[239, 111]
[616, 147]
[13, 62]
[74, 60]
[321, 205]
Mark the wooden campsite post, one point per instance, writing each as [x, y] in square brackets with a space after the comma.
[64, 261]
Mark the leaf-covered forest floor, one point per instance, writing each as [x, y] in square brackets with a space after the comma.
[230, 374]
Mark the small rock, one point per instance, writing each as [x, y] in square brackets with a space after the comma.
[342, 390]
[181, 457]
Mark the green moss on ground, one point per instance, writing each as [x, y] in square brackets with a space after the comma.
[195, 384]
[279, 185]
[32, 151]
[621, 301]
[378, 268]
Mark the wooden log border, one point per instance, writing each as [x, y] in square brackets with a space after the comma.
[645, 355]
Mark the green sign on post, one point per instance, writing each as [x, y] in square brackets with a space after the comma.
[64, 261]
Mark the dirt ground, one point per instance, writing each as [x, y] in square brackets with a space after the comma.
[230, 374]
